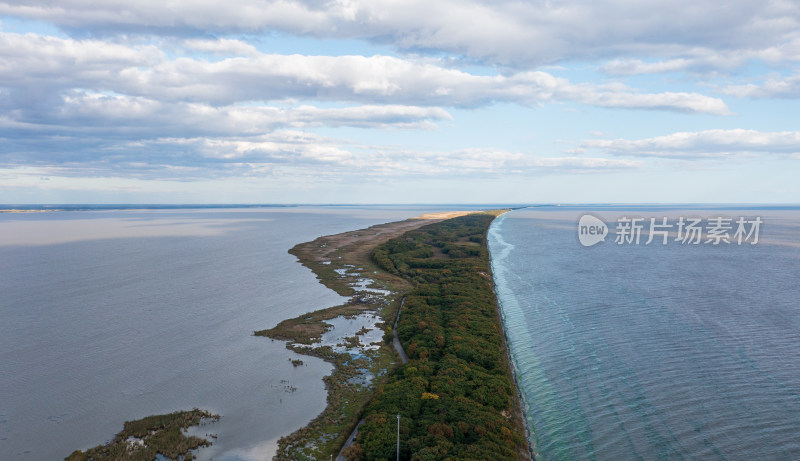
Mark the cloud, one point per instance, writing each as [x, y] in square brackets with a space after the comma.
[92, 108]
[51, 64]
[638, 67]
[704, 60]
[121, 115]
[281, 153]
[504, 32]
[131, 109]
[778, 87]
[707, 144]
[669, 101]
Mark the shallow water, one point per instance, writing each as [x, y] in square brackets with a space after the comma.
[108, 316]
[653, 352]
[344, 327]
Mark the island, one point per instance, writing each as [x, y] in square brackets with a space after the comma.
[147, 438]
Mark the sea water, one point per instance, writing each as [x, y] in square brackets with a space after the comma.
[114, 315]
[675, 351]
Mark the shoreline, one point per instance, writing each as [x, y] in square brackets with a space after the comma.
[521, 411]
[342, 262]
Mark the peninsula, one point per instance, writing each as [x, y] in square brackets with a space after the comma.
[456, 397]
[423, 285]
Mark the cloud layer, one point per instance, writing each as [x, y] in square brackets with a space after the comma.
[310, 89]
[503, 32]
[52, 64]
[702, 144]
[136, 109]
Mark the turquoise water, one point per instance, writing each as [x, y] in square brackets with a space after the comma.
[653, 352]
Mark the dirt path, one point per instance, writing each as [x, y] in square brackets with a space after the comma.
[396, 341]
[350, 440]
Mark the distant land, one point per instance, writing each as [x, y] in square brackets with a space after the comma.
[29, 208]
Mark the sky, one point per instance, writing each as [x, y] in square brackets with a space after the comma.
[375, 101]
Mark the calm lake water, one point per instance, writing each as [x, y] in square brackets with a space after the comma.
[108, 316]
[653, 352]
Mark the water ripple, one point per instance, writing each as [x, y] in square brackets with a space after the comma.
[666, 352]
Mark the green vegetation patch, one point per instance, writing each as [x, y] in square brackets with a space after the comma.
[145, 439]
[456, 395]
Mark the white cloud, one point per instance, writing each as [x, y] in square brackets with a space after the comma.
[706, 60]
[290, 153]
[637, 66]
[318, 155]
[506, 32]
[776, 87]
[63, 64]
[94, 108]
[702, 144]
[103, 113]
[679, 102]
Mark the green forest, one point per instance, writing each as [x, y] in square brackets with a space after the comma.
[455, 397]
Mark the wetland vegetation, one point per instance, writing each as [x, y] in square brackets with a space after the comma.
[343, 263]
[147, 438]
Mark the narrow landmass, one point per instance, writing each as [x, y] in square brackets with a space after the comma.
[15, 210]
[362, 358]
[455, 396]
[148, 438]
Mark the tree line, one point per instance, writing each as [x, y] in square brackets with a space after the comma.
[455, 396]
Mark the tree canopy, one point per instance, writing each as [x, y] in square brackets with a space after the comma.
[455, 396]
